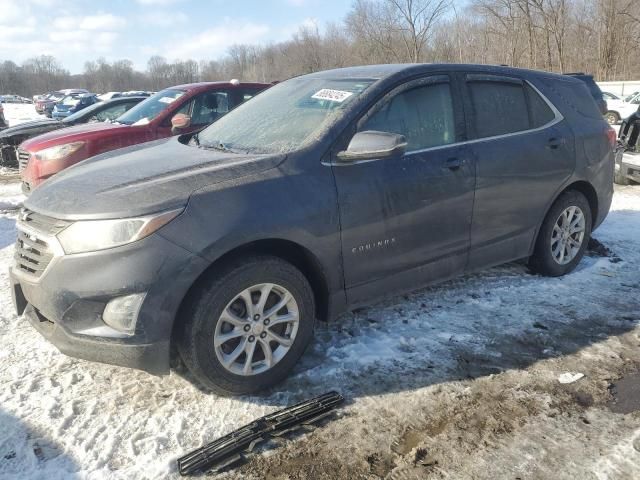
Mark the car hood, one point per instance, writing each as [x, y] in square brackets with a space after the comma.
[141, 179]
[74, 133]
[32, 127]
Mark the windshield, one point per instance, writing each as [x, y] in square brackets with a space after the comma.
[150, 108]
[628, 98]
[285, 117]
[70, 101]
[81, 113]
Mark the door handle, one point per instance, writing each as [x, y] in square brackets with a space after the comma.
[555, 143]
[454, 163]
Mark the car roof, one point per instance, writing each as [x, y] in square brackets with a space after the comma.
[388, 70]
[125, 99]
[207, 85]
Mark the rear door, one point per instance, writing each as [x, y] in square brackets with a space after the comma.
[406, 221]
[523, 152]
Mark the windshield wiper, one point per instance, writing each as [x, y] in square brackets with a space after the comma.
[216, 146]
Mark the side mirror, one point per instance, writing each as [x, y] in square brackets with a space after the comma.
[180, 121]
[372, 145]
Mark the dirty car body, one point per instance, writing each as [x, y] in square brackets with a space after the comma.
[453, 193]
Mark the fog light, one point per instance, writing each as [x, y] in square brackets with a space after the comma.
[121, 313]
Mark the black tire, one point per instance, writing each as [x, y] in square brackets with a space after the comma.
[205, 305]
[542, 260]
[612, 118]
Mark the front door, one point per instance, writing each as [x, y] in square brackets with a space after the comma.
[406, 221]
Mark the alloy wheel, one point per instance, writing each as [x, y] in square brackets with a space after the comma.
[256, 329]
[567, 235]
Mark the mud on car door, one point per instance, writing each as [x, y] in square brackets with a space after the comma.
[406, 220]
[523, 153]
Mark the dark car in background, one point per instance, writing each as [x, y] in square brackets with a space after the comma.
[594, 89]
[323, 193]
[627, 168]
[175, 110]
[73, 103]
[98, 112]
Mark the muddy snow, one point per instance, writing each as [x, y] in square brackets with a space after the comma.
[456, 381]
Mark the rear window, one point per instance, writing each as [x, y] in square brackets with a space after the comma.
[499, 107]
[504, 105]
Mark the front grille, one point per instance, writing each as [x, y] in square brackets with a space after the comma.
[23, 158]
[33, 249]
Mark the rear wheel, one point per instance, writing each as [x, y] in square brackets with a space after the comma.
[563, 237]
[246, 327]
[612, 118]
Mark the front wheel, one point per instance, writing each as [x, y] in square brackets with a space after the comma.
[563, 237]
[247, 326]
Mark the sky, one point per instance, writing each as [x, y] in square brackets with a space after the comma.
[75, 31]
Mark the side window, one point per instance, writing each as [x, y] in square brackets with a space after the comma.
[208, 107]
[541, 113]
[424, 115]
[499, 107]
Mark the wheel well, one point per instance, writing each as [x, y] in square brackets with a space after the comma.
[589, 192]
[289, 251]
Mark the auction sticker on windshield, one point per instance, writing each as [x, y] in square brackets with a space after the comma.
[168, 99]
[332, 95]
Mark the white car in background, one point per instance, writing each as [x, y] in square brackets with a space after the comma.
[618, 108]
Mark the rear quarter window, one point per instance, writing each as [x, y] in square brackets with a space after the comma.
[540, 112]
[571, 94]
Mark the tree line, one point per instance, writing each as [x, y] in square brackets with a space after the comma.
[601, 37]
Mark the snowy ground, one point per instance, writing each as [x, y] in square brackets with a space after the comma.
[454, 381]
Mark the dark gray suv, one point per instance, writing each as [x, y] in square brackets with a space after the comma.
[324, 192]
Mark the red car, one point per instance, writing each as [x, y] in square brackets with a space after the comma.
[176, 110]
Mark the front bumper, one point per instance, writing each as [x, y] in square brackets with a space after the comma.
[628, 165]
[65, 304]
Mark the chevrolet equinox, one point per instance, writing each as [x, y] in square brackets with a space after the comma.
[324, 192]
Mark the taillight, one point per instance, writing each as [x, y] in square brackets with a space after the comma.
[612, 136]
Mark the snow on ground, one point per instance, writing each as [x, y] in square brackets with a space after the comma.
[11, 196]
[16, 113]
[455, 381]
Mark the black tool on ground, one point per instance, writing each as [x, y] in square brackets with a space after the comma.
[228, 450]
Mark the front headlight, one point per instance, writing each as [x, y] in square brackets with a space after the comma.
[92, 235]
[58, 152]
